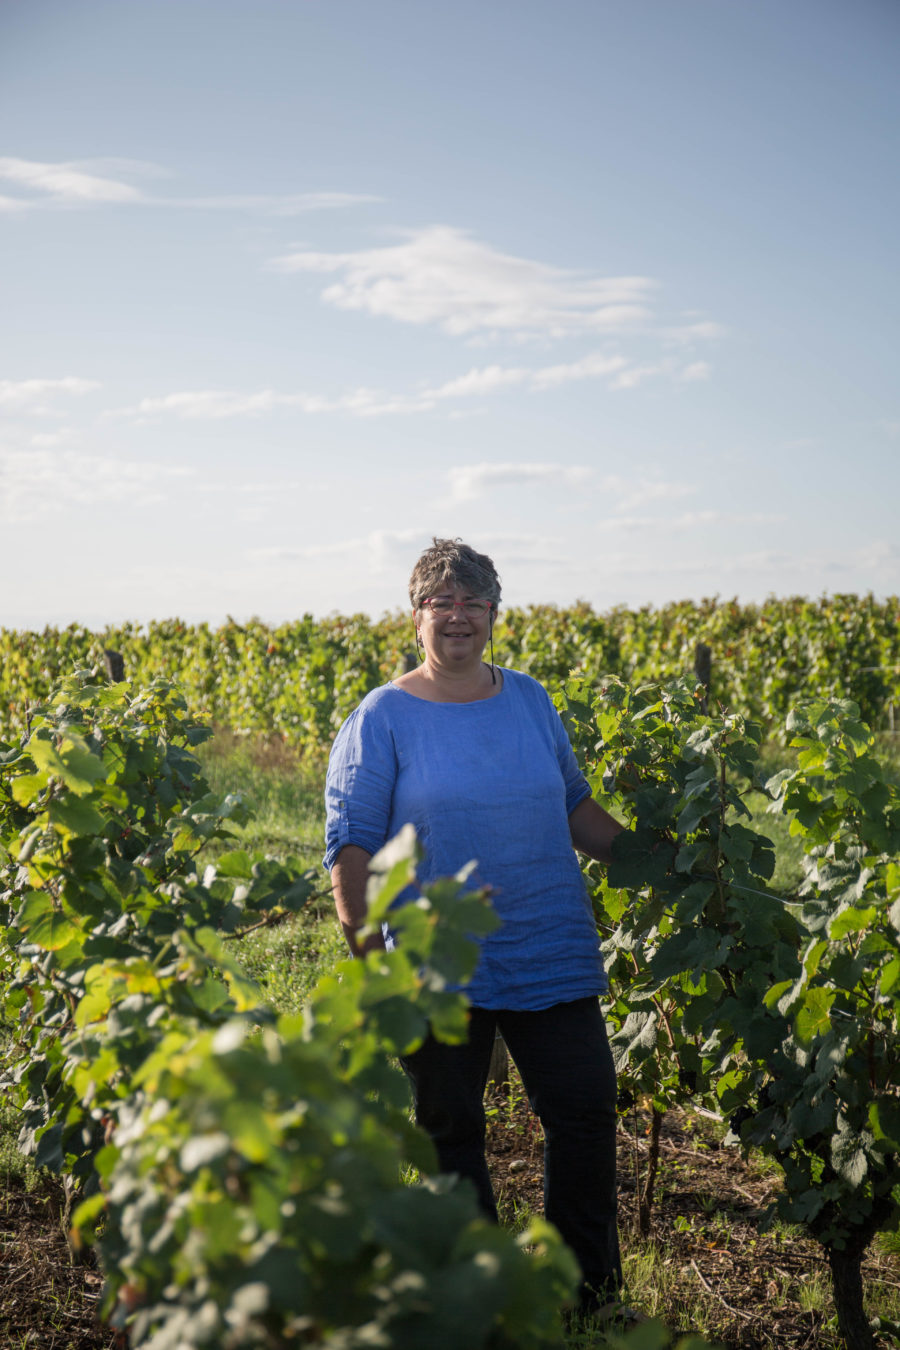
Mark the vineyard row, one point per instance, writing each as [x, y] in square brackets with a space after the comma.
[299, 680]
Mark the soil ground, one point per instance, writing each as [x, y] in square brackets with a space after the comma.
[706, 1267]
[709, 1265]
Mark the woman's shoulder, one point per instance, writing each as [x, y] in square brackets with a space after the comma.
[524, 684]
[372, 722]
[378, 703]
[528, 692]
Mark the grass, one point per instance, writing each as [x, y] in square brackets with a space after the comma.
[655, 1283]
[286, 796]
[288, 960]
[14, 1166]
[284, 791]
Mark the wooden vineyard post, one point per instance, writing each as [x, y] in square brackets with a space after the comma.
[498, 1072]
[115, 666]
[703, 671]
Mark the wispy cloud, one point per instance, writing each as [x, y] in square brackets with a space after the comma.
[34, 396]
[379, 549]
[687, 520]
[220, 404]
[41, 482]
[631, 376]
[215, 404]
[594, 366]
[47, 440]
[697, 370]
[700, 330]
[84, 183]
[487, 379]
[469, 481]
[479, 382]
[636, 565]
[630, 494]
[441, 275]
[291, 204]
[879, 556]
[625, 497]
[64, 184]
[393, 552]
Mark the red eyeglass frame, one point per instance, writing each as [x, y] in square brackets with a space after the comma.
[459, 604]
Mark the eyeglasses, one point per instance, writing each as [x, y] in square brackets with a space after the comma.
[443, 605]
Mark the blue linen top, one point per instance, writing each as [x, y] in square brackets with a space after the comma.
[495, 781]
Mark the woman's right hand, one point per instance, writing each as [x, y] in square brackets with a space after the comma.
[349, 880]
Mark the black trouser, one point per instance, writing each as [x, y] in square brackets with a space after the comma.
[564, 1058]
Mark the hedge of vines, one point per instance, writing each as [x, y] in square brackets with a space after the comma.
[778, 1009]
[299, 680]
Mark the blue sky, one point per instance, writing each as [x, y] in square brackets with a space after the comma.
[609, 290]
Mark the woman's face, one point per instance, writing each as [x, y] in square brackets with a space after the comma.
[455, 639]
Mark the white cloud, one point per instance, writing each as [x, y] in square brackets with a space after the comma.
[440, 275]
[625, 497]
[637, 565]
[487, 379]
[697, 370]
[204, 404]
[48, 440]
[393, 552]
[632, 376]
[66, 183]
[483, 380]
[30, 395]
[879, 555]
[788, 573]
[379, 549]
[634, 493]
[596, 365]
[370, 403]
[37, 483]
[291, 204]
[703, 330]
[469, 481]
[688, 520]
[88, 183]
[218, 404]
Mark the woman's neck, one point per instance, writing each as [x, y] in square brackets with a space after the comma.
[437, 684]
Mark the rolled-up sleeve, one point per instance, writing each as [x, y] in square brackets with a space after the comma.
[359, 786]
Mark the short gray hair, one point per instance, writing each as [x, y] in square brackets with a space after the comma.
[451, 561]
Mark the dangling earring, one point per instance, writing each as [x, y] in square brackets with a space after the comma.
[493, 676]
[419, 652]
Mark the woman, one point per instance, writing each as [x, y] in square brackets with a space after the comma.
[478, 760]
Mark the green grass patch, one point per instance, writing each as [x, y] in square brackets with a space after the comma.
[288, 960]
[13, 1164]
[284, 791]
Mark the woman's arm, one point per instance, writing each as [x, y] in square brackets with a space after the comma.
[349, 877]
[593, 830]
